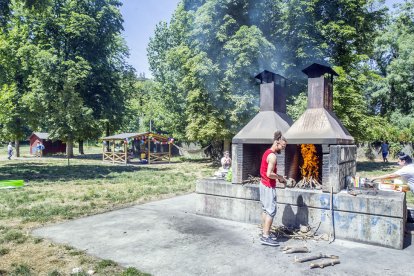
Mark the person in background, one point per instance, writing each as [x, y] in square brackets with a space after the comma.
[10, 151]
[39, 149]
[385, 147]
[267, 187]
[406, 171]
[226, 161]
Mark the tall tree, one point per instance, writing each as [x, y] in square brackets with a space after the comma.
[81, 62]
[393, 93]
[16, 59]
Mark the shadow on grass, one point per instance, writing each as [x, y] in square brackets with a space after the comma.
[47, 171]
[89, 156]
[375, 166]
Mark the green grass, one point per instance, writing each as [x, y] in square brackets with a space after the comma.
[56, 190]
[54, 273]
[4, 251]
[104, 264]
[130, 271]
[13, 236]
[20, 270]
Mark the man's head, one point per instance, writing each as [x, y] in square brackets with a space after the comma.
[404, 159]
[226, 154]
[279, 142]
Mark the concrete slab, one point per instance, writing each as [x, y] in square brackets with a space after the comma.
[167, 238]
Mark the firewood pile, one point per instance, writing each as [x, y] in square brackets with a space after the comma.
[309, 183]
[304, 232]
[251, 179]
[328, 260]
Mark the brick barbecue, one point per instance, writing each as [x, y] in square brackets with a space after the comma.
[369, 218]
[319, 126]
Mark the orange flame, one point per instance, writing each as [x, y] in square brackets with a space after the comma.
[310, 168]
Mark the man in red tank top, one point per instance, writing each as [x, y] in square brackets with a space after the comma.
[268, 175]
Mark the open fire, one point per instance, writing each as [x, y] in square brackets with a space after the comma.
[310, 168]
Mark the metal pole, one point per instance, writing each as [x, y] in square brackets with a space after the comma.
[149, 150]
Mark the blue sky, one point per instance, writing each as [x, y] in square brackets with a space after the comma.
[140, 19]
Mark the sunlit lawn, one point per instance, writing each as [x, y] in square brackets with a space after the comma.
[57, 192]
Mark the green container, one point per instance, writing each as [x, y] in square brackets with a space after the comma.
[7, 184]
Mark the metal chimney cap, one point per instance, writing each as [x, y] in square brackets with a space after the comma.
[316, 70]
[267, 76]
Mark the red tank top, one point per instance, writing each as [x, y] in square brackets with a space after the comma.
[263, 170]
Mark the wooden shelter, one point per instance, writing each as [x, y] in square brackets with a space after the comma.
[50, 146]
[117, 148]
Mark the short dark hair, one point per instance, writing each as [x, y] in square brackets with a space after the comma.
[405, 157]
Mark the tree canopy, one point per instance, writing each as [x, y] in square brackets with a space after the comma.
[64, 69]
[205, 60]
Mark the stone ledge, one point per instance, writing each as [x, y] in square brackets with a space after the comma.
[236, 209]
[220, 187]
[378, 220]
[390, 204]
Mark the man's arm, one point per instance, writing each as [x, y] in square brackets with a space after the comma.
[386, 176]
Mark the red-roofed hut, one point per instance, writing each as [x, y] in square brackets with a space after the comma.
[50, 146]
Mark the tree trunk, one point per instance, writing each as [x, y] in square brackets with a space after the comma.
[69, 148]
[226, 145]
[216, 151]
[81, 147]
[17, 146]
[108, 148]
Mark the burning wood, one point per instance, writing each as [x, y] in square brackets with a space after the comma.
[310, 168]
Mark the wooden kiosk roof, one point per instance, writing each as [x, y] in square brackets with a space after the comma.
[122, 157]
[131, 135]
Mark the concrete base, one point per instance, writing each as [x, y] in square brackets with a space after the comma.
[373, 219]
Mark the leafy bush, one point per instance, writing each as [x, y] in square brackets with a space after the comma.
[369, 153]
[395, 148]
[229, 175]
